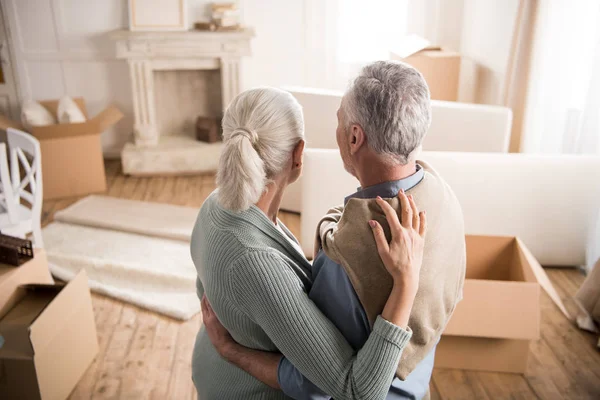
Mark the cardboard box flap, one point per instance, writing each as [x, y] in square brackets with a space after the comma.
[47, 325]
[33, 271]
[494, 313]
[58, 131]
[14, 327]
[537, 274]
[92, 126]
[411, 45]
[9, 123]
[108, 117]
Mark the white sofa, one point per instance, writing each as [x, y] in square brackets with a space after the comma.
[550, 202]
[454, 127]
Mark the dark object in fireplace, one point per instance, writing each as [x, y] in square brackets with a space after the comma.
[208, 129]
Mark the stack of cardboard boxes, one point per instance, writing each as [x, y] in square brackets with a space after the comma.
[47, 331]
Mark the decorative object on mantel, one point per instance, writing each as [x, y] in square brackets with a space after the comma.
[205, 26]
[158, 15]
[224, 17]
[161, 65]
[212, 27]
[209, 129]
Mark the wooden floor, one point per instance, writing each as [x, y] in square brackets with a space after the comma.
[147, 356]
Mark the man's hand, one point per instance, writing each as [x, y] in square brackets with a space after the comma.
[260, 364]
[218, 335]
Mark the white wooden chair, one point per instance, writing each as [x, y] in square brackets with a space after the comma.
[26, 179]
[8, 209]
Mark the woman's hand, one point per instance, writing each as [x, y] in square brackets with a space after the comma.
[218, 335]
[403, 256]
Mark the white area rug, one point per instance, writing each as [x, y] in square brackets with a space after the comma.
[152, 219]
[104, 236]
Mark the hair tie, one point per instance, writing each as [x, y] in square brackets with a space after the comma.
[250, 134]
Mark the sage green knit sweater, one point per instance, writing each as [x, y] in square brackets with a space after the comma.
[256, 281]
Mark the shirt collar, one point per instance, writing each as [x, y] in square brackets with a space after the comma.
[388, 189]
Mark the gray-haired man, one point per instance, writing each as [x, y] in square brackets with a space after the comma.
[382, 121]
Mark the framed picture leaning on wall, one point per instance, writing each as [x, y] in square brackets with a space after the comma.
[158, 15]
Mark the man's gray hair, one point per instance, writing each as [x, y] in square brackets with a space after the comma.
[390, 101]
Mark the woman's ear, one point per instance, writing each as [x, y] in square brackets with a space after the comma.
[298, 155]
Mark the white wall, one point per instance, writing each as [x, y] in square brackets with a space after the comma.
[485, 46]
[279, 46]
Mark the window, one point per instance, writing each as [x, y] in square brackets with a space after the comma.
[367, 30]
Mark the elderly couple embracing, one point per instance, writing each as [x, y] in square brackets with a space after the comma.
[364, 319]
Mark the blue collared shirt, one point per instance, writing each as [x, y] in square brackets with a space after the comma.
[334, 295]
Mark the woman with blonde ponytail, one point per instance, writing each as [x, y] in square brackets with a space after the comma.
[252, 271]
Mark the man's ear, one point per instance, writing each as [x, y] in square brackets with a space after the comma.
[357, 138]
[298, 155]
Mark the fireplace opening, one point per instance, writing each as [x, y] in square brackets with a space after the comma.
[181, 96]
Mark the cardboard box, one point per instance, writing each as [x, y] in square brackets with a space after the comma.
[72, 161]
[11, 277]
[49, 340]
[499, 316]
[439, 66]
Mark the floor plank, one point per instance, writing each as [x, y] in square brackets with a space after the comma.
[434, 392]
[503, 386]
[148, 356]
[571, 347]
[111, 366]
[162, 356]
[548, 378]
[458, 385]
[180, 383]
[137, 368]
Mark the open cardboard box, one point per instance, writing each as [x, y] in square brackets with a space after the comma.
[47, 337]
[33, 271]
[499, 316]
[72, 161]
[439, 66]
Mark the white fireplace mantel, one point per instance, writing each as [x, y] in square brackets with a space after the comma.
[147, 52]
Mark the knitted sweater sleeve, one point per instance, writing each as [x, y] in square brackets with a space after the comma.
[269, 292]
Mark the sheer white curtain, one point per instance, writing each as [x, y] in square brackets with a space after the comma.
[562, 114]
[347, 34]
[563, 106]
[367, 31]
